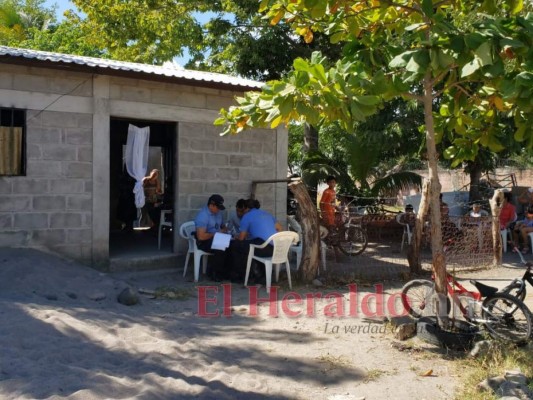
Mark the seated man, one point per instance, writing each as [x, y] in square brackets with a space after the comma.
[208, 221]
[234, 220]
[256, 226]
[522, 230]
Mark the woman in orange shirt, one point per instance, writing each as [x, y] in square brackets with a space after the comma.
[328, 202]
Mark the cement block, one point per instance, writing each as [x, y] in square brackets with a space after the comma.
[227, 174]
[79, 235]
[43, 135]
[85, 154]
[65, 220]
[204, 174]
[78, 170]
[33, 151]
[14, 238]
[31, 221]
[41, 203]
[6, 185]
[78, 136]
[48, 237]
[82, 203]
[6, 221]
[241, 160]
[48, 168]
[67, 186]
[60, 153]
[14, 203]
[251, 148]
[202, 145]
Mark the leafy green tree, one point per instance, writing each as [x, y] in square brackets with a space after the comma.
[418, 50]
[20, 19]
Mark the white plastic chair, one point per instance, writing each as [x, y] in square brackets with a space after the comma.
[298, 248]
[281, 242]
[407, 233]
[507, 233]
[163, 222]
[186, 232]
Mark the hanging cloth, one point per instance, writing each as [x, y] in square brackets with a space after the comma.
[137, 159]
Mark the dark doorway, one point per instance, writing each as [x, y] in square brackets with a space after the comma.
[133, 232]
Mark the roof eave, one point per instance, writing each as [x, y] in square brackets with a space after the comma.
[63, 66]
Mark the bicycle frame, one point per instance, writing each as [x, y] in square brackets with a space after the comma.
[528, 274]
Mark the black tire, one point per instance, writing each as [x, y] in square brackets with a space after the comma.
[354, 241]
[461, 336]
[516, 289]
[415, 296]
[507, 318]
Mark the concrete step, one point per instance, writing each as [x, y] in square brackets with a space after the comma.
[145, 262]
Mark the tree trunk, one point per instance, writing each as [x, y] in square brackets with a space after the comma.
[475, 178]
[310, 232]
[310, 138]
[413, 251]
[439, 259]
[496, 208]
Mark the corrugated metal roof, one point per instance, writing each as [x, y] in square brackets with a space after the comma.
[113, 65]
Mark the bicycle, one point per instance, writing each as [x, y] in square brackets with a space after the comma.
[504, 316]
[347, 235]
[517, 287]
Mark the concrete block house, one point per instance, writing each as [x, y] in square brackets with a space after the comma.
[63, 128]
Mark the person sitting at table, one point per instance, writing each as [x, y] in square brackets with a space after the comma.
[234, 220]
[522, 230]
[256, 226]
[209, 221]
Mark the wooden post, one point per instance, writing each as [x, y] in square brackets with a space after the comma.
[413, 251]
[496, 207]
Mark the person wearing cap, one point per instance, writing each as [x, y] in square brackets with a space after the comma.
[209, 221]
[522, 229]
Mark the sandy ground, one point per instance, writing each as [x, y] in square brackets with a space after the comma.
[64, 335]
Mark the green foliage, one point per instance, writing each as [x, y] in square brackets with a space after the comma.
[475, 61]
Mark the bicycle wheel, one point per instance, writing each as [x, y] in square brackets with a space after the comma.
[507, 318]
[516, 289]
[354, 241]
[416, 295]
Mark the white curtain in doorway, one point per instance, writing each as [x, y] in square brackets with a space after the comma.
[137, 159]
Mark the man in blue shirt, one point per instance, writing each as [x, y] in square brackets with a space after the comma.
[208, 221]
[256, 226]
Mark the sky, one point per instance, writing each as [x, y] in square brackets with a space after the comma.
[61, 4]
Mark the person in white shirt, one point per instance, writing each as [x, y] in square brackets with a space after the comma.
[477, 211]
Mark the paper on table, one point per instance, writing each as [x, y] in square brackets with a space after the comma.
[220, 241]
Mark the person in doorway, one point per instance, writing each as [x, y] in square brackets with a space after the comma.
[209, 221]
[152, 193]
[328, 202]
[256, 227]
